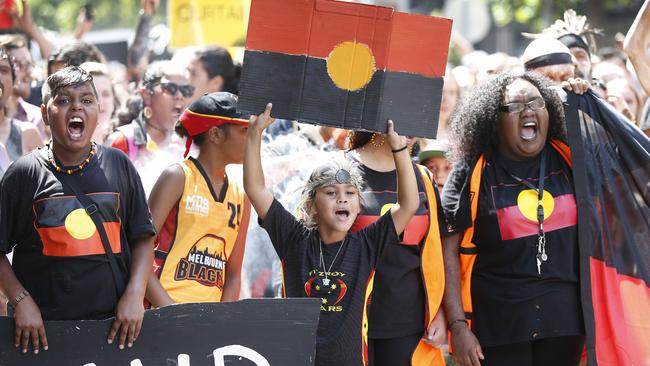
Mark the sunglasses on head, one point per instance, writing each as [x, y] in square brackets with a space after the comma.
[171, 88]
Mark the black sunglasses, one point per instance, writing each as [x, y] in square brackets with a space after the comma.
[171, 88]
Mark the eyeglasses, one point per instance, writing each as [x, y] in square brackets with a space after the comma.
[518, 107]
[171, 88]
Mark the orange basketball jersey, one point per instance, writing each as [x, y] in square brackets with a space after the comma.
[197, 238]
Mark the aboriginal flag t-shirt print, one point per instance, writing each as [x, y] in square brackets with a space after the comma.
[67, 230]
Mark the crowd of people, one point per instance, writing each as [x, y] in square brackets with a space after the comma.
[117, 174]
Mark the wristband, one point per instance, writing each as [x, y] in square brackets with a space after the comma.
[453, 322]
[22, 295]
[401, 149]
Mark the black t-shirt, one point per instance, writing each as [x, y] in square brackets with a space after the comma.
[397, 308]
[58, 254]
[511, 301]
[339, 329]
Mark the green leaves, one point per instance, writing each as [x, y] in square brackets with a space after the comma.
[61, 15]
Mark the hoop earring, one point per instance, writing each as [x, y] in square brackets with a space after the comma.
[374, 143]
[147, 112]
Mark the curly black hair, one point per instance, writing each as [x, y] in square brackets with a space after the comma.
[474, 122]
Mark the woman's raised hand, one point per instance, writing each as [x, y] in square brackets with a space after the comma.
[262, 121]
[395, 141]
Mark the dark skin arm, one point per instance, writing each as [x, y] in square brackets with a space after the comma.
[27, 315]
[164, 195]
[467, 350]
[233, 265]
[130, 307]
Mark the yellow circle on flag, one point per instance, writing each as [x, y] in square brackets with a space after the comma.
[385, 208]
[527, 203]
[351, 65]
[79, 225]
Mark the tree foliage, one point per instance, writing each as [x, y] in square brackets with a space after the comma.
[61, 15]
[534, 12]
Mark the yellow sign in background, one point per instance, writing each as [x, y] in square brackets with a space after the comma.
[200, 22]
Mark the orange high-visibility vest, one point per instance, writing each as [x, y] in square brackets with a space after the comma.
[433, 277]
[467, 251]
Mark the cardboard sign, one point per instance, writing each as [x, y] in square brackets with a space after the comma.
[346, 65]
[257, 332]
[201, 22]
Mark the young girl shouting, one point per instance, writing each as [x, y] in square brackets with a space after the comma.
[320, 256]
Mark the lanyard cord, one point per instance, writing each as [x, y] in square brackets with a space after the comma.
[541, 236]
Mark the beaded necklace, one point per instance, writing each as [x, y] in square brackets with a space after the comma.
[87, 160]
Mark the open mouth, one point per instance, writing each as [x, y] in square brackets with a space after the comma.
[342, 214]
[529, 131]
[177, 111]
[76, 127]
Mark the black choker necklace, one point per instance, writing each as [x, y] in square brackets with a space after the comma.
[58, 168]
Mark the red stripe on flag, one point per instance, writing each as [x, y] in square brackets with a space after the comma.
[418, 37]
[275, 27]
[621, 305]
[57, 242]
[399, 42]
[513, 224]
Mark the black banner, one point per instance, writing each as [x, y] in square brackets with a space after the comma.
[611, 169]
[256, 332]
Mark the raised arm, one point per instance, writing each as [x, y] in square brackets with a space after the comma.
[164, 195]
[25, 23]
[407, 187]
[260, 197]
[637, 46]
[138, 52]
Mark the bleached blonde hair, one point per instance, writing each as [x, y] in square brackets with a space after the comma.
[323, 176]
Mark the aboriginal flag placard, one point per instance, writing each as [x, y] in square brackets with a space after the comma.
[345, 65]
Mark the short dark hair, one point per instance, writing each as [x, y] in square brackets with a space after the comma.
[4, 55]
[474, 123]
[75, 54]
[157, 70]
[69, 76]
[216, 61]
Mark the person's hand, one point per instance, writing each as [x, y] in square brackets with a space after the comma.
[257, 124]
[149, 7]
[84, 24]
[466, 349]
[576, 85]
[128, 320]
[29, 326]
[23, 21]
[437, 332]
[618, 101]
[395, 141]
